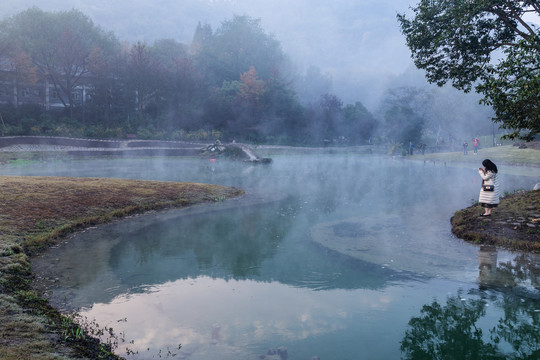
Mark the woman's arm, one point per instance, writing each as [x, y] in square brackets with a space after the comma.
[485, 175]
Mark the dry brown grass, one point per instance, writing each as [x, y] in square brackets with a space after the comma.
[37, 211]
[42, 208]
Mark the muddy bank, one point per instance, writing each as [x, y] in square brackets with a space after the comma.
[514, 224]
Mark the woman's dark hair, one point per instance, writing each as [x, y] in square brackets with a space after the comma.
[489, 165]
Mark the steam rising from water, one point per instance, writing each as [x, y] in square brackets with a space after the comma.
[239, 277]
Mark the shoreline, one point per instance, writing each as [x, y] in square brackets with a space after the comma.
[513, 225]
[29, 326]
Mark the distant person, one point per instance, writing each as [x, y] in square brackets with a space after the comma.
[423, 148]
[475, 144]
[490, 190]
[465, 145]
[411, 147]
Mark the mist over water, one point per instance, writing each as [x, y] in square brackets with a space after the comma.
[332, 256]
[278, 268]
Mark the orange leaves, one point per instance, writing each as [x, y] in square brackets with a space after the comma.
[252, 88]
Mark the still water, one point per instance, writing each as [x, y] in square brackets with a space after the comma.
[328, 257]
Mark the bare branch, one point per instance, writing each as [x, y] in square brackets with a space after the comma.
[536, 7]
[522, 22]
[501, 14]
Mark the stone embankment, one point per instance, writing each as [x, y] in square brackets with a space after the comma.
[82, 147]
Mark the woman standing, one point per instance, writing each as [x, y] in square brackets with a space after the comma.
[490, 191]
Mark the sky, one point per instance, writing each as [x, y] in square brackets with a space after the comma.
[357, 42]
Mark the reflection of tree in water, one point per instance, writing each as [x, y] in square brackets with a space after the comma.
[522, 274]
[453, 331]
[520, 327]
[447, 332]
[241, 244]
[234, 240]
[522, 270]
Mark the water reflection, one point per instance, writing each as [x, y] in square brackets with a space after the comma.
[229, 282]
[263, 313]
[499, 320]
[220, 245]
[486, 325]
[520, 274]
[265, 243]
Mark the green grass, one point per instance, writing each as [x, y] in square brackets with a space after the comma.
[508, 154]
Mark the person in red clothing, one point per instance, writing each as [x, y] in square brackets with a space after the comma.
[475, 144]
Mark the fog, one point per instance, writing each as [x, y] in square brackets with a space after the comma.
[193, 272]
[233, 279]
[358, 43]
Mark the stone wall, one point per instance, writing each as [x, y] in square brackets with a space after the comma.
[59, 141]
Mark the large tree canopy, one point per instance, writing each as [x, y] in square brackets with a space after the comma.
[236, 46]
[62, 45]
[485, 44]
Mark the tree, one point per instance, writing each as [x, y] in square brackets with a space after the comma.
[201, 38]
[252, 88]
[221, 107]
[59, 44]
[452, 112]
[358, 123]
[403, 110]
[237, 45]
[311, 86]
[180, 83]
[513, 89]
[104, 99]
[284, 119]
[485, 44]
[142, 74]
[240, 104]
[23, 70]
[331, 107]
[325, 117]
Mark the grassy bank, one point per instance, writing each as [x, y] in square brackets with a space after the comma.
[36, 212]
[500, 155]
[514, 224]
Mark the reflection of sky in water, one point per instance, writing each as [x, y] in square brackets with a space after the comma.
[234, 281]
[240, 318]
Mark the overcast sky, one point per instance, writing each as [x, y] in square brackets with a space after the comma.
[357, 41]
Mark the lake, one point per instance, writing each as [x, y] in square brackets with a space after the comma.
[325, 257]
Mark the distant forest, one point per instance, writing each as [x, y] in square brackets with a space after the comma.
[234, 82]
